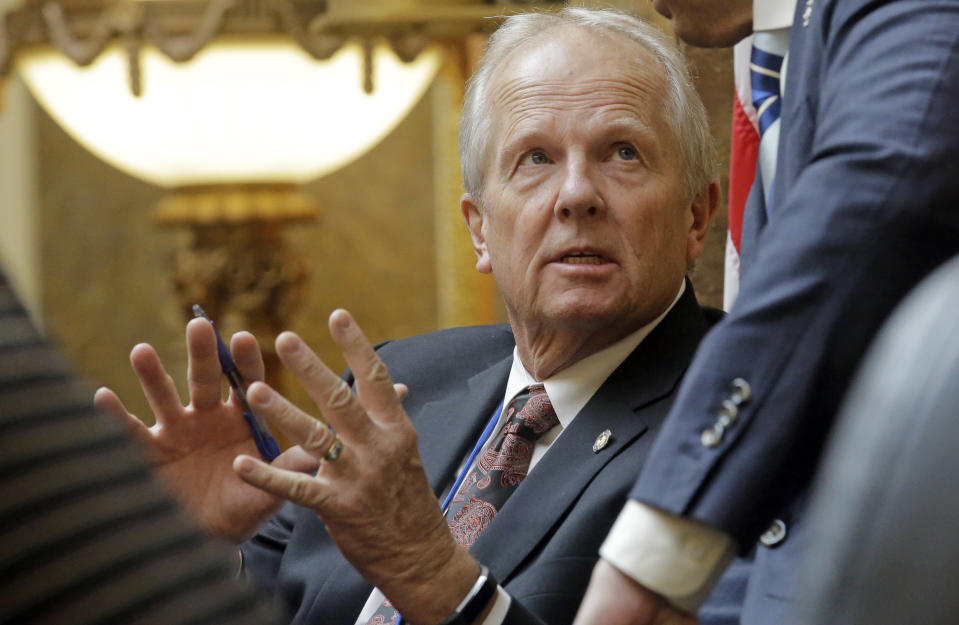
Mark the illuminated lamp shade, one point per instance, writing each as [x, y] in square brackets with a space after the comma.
[238, 112]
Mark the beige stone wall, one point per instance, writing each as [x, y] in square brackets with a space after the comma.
[19, 239]
[106, 283]
[714, 80]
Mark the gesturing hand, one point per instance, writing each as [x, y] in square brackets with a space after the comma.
[193, 446]
[374, 499]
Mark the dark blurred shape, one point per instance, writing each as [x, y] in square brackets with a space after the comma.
[86, 533]
[884, 547]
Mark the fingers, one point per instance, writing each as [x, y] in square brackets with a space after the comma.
[332, 395]
[297, 459]
[312, 436]
[248, 357]
[204, 373]
[373, 383]
[157, 385]
[299, 488]
[106, 402]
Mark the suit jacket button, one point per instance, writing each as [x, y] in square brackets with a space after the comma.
[774, 535]
[712, 436]
[728, 413]
[741, 391]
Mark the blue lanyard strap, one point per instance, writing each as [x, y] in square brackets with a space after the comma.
[487, 432]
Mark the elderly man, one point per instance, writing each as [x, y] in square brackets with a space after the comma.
[587, 166]
[863, 201]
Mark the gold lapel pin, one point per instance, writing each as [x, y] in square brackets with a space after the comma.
[602, 440]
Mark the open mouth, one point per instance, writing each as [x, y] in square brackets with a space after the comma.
[583, 258]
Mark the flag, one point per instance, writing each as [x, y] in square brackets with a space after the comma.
[743, 150]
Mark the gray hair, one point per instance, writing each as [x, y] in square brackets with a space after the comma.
[685, 112]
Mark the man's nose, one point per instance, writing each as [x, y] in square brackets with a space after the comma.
[579, 195]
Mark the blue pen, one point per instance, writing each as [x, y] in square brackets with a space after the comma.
[265, 443]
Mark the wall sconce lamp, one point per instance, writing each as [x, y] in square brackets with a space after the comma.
[231, 104]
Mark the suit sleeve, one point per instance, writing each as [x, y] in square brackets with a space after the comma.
[868, 208]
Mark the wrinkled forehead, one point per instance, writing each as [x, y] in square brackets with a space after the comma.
[585, 72]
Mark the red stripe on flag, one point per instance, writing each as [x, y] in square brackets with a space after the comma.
[743, 151]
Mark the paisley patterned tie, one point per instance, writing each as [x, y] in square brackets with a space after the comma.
[502, 467]
[495, 475]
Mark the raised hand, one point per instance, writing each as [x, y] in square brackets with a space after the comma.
[374, 499]
[193, 446]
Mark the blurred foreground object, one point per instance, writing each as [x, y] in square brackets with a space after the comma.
[886, 509]
[86, 533]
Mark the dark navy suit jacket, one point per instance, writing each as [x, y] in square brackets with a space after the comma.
[865, 203]
[544, 542]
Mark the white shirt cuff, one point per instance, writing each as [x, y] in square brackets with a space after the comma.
[495, 617]
[501, 606]
[678, 558]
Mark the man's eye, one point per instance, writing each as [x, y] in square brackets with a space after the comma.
[538, 158]
[627, 153]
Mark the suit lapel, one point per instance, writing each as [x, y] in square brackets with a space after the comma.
[650, 373]
[448, 428]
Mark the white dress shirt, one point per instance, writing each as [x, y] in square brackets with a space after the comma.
[772, 14]
[569, 390]
[681, 559]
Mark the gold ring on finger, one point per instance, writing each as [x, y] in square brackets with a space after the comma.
[334, 451]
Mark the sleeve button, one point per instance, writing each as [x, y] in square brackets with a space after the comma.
[712, 436]
[774, 535]
[728, 413]
[741, 391]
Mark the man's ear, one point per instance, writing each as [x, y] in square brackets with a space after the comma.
[475, 221]
[702, 210]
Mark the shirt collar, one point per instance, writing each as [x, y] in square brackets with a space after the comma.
[772, 14]
[571, 388]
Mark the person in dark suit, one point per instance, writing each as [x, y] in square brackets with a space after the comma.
[544, 567]
[589, 191]
[87, 535]
[863, 205]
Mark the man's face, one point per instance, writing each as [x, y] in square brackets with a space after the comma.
[708, 23]
[584, 221]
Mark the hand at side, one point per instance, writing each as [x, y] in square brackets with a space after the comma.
[613, 598]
